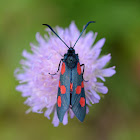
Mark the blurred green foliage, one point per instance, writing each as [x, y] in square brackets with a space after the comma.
[117, 116]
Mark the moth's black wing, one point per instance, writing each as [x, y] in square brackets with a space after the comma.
[78, 100]
[63, 98]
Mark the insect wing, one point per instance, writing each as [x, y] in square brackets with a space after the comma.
[63, 98]
[78, 100]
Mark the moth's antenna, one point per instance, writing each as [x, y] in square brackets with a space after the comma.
[55, 34]
[83, 31]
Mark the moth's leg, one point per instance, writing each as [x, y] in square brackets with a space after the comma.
[83, 71]
[58, 67]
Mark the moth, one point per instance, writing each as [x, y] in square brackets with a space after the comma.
[71, 93]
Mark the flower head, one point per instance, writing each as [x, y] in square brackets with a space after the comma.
[41, 89]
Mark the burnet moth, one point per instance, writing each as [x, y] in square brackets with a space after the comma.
[71, 92]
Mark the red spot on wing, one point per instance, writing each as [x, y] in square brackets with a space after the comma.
[71, 86]
[78, 68]
[59, 101]
[82, 84]
[63, 68]
[59, 83]
[82, 101]
[78, 90]
[63, 89]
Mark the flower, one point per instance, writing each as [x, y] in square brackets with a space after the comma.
[41, 89]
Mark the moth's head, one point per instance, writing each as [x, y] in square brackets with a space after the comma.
[71, 51]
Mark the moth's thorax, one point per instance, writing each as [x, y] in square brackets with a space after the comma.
[71, 58]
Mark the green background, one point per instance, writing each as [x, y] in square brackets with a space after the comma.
[117, 116]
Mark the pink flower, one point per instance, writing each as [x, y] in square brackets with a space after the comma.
[41, 89]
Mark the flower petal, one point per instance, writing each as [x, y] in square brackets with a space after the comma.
[99, 44]
[108, 72]
[74, 32]
[55, 121]
[71, 113]
[40, 39]
[48, 112]
[65, 119]
[101, 89]
[87, 109]
[103, 61]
